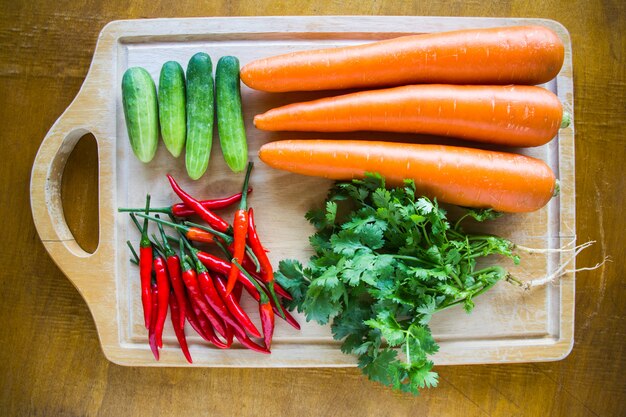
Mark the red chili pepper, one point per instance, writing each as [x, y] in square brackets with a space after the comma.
[181, 210]
[232, 303]
[266, 313]
[254, 293]
[173, 269]
[198, 235]
[218, 265]
[151, 330]
[176, 315]
[202, 326]
[267, 272]
[197, 298]
[237, 291]
[212, 297]
[163, 285]
[247, 342]
[267, 321]
[240, 228]
[145, 269]
[240, 225]
[258, 249]
[249, 266]
[194, 234]
[207, 215]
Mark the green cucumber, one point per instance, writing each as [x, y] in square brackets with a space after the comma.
[140, 110]
[230, 123]
[172, 107]
[200, 110]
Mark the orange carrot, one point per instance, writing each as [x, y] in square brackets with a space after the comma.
[508, 115]
[463, 176]
[506, 55]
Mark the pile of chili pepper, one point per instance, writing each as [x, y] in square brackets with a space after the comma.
[200, 287]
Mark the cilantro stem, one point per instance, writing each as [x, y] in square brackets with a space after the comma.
[413, 258]
[425, 234]
[458, 222]
[408, 350]
[459, 301]
[490, 269]
[457, 279]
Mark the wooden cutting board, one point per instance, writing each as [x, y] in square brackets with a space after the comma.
[508, 324]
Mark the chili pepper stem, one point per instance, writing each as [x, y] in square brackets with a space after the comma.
[243, 203]
[166, 246]
[263, 298]
[164, 210]
[219, 234]
[144, 231]
[134, 219]
[181, 247]
[132, 250]
[227, 239]
[279, 306]
[157, 245]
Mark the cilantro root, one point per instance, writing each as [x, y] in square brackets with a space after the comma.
[560, 271]
[385, 261]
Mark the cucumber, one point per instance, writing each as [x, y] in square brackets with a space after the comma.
[140, 110]
[172, 107]
[230, 124]
[200, 110]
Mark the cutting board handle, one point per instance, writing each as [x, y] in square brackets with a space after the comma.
[45, 192]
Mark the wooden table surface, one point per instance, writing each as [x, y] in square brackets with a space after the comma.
[51, 362]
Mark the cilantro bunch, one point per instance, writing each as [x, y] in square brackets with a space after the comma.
[385, 261]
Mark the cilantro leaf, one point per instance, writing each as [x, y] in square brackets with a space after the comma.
[385, 262]
[377, 368]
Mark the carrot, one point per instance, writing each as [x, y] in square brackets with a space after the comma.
[508, 115]
[463, 176]
[505, 55]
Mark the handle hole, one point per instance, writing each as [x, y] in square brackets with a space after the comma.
[79, 193]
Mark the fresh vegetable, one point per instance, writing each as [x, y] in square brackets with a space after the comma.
[249, 343]
[263, 277]
[145, 269]
[200, 113]
[206, 214]
[163, 286]
[229, 114]
[509, 115]
[383, 268]
[202, 326]
[211, 295]
[174, 272]
[265, 310]
[234, 307]
[178, 318]
[192, 231]
[463, 176]
[139, 99]
[152, 338]
[193, 293]
[267, 322]
[266, 266]
[190, 278]
[503, 55]
[172, 117]
[240, 229]
[181, 210]
[219, 266]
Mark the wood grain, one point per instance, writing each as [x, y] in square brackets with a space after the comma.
[51, 362]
